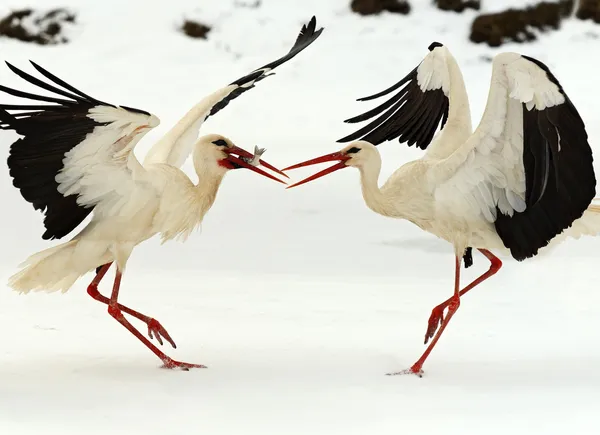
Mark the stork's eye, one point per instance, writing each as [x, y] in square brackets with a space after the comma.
[353, 150]
[220, 142]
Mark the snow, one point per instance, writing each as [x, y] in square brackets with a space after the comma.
[299, 301]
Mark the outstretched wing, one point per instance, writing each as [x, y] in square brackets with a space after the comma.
[75, 155]
[414, 113]
[528, 166]
[176, 145]
[308, 34]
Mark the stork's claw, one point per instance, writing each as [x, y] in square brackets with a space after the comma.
[156, 330]
[435, 320]
[172, 364]
[414, 370]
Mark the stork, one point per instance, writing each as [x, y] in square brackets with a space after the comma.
[522, 181]
[76, 157]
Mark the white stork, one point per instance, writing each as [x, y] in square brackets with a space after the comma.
[522, 180]
[76, 157]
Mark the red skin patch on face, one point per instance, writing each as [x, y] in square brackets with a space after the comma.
[226, 164]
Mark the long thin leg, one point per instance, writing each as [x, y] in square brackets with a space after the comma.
[437, 314]
[155, 329]
[452, 307]
[452, 304]
[116, 312]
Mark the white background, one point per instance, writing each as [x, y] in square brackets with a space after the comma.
[298, 301]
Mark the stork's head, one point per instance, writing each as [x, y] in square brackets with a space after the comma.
[360, 154]
[217, 154]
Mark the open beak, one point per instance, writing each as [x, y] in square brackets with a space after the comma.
[244, 159]
[337, 156]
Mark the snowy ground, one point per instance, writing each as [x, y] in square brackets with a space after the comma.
[299, 301]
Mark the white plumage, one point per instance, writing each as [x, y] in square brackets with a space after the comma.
[131, 204]
[521, 181]
[77, 157]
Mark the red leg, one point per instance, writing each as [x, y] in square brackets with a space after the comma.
[116, 312]
[155, 329]
[437, 314]
[452, 304]
[452, 307]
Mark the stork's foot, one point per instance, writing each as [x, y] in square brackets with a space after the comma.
[169, 363]
[414, 370]
[435, 320]
[437, 316]
[156, 330]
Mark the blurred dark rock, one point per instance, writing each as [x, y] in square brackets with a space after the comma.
[517, 24]
[195, 29]
[371, 7]
[589, 10]
[545, 14]
[41, 28]
[249, 4]
[457, 5]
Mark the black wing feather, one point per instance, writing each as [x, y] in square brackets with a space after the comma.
[49, 131]
[41, 84]
[306, 37]
[22, 94]
[372, 128]
[415, 121]
[392, 88]
[25, 106]
[560, 181]
[371, 113]
[67, 86]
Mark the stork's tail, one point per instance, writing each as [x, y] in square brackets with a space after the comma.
[594, 208]
[586, 225]
[51, 270]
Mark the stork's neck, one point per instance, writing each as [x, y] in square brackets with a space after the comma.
[210, 175]
[397, 197]
[372, 194]
[185, 205]
[207, 188]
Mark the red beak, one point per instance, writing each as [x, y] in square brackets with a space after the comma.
[237, 160]
[342, 158]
